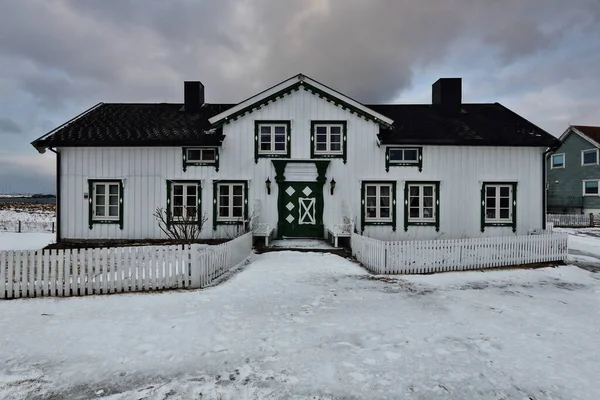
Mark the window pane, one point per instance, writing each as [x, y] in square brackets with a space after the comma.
[504, 213]
[371, 190]
[504, 191]
[321, 138]
[490, 191]
[591, 187]
[113, 200]
[558, 160]
[191, 190]
[371, 212]
[100, 189]
[238, 190]
[335, 130]
[321, 130]
[321, 146]
[100, 211]
[237, 211]
[371, 201]
[100, 200]
[414, 202]
[396, 155]
[490, 213]
[384, 212]
[190, 212]
[113, 189]
[336, 146]
[191, 201]
[223, 211]
[237, 201]
[336, 138]
[193, 155]
[265, 129]
[427, 190]
[491, 202]
[224, 200]
[279, 146]
[113, 211]
[427, 201]
[590, 157]
[504, 202]
[413, 190]
[427, 212]
[384, 201]
[279, 138]
[208, 155]
[385, 191]
[410, 155]
[178, 189]
[178, 211]
[224, 190]
[414, 213]
[279, 130]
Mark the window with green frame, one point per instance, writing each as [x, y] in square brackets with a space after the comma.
[403, 157]
[422, 204]
[200, 156]
[378, 203]
[230, 202]
[272, 139]
[499, 204]
[328, 139]
[184, 202]
[105, 202]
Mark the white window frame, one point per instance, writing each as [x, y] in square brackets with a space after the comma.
[583, 152]
[497, 219]
[590, 194]
[391, 206]
[552, 160]
[202, 151]
[230, 205]
[272, 142]
[328, 139]
[106, 195]
[403, 161]
[421, 186]
[184, 216]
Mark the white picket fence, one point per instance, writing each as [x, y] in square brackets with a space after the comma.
[79, 272]
[571, 220]
[428, 256]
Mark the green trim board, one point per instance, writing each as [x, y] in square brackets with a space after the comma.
[512, 223]
[198, 183]
[435, 223]
[344, 154]
[187, 163]
[215, 218]
[292, 88]
[389, 163]
[363, 221]
[257, 124]
[91, 219]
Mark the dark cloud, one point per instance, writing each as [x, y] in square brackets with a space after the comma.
[9, 126]
[16, 178]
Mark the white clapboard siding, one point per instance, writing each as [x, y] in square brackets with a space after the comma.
[79, 272]
[571, 220]
[428, 256]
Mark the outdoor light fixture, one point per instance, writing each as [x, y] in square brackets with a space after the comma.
[332, 185]
[268, 185]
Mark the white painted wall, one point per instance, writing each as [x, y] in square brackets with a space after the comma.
[146, 170]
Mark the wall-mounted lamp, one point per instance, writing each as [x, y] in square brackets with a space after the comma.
[268, 185]
[332, 185]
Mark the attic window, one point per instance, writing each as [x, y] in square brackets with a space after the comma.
[558, 161]
[201, 155]
[589, 157]
[404, 157]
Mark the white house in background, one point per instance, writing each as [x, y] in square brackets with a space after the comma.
[307, 156]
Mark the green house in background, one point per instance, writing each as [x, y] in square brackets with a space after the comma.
[573, 172]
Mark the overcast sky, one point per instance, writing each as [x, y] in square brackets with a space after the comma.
[60, 57]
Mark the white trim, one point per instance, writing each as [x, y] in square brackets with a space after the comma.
[230, 206]
[391, 206]
[578, 132]
[289, 82]
[552, 161]
[328, 141]
[202, 150]
[421, 206]
[106, 205]
[496, 208]
[272, 134]
[587, 151]
[584, 194]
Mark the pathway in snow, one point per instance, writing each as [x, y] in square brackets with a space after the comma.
[306, 325]
[584, 247]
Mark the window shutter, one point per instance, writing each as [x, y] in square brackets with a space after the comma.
[245, 200]
[482, 207]
[514, 207]
[121, 205]
[344, 144]
[393, 206]
[362, 208]
[168, 210]
[420, 158]
[256, 144]
[387, 159]
[406, 207]
[184, 159]
[199, 207]
[90, 202]
[437, 206]
[217, 159]
[215, 196]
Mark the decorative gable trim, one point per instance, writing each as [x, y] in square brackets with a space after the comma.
[572, 129]
[294, 84]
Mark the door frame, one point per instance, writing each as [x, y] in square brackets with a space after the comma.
[281, 182]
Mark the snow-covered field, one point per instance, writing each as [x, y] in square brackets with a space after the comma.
[34, 217]
[25, 241]
[315, 326]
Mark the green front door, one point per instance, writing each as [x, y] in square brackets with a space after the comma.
[301, 209]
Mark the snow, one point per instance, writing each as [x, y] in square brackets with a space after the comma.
[301, 244]
[307, 325]
[25, 241]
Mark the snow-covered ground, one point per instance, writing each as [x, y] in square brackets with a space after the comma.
[25, 241]
[315, 326]
[34, 217]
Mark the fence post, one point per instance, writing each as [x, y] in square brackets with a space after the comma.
[19, 226]
[52, 227]
[194, 266]
[591, 219]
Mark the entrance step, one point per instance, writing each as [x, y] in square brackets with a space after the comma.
[312, 245]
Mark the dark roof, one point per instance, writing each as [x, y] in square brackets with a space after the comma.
[167, 125]
[593, 132]
[477, 125]
[109, 124]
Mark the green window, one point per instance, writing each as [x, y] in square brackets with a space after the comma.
[105, 202]
[271, 139]
[328, 139]
[378, 203]
[422, 204]
[403, 157]
[499, 204]
[200, 156]
[230, 202]
[184, 201]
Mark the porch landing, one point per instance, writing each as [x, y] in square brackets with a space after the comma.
[306, 245]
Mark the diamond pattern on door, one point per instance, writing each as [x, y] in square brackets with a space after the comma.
[306, 191]
[307, 211]
[290, 218]
[290, 191]
[290, 206]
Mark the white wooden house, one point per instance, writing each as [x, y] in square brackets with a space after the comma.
[308, 157]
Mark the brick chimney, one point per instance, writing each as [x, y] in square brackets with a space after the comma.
[193, 95]
[446, 94]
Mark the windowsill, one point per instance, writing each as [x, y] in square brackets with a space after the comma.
[378, 222]
[591, 195]
[590, 165]
[492, 223]
[200, 163]
[272, 155]
[230, 221]
[421, 222]
[105, 221]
